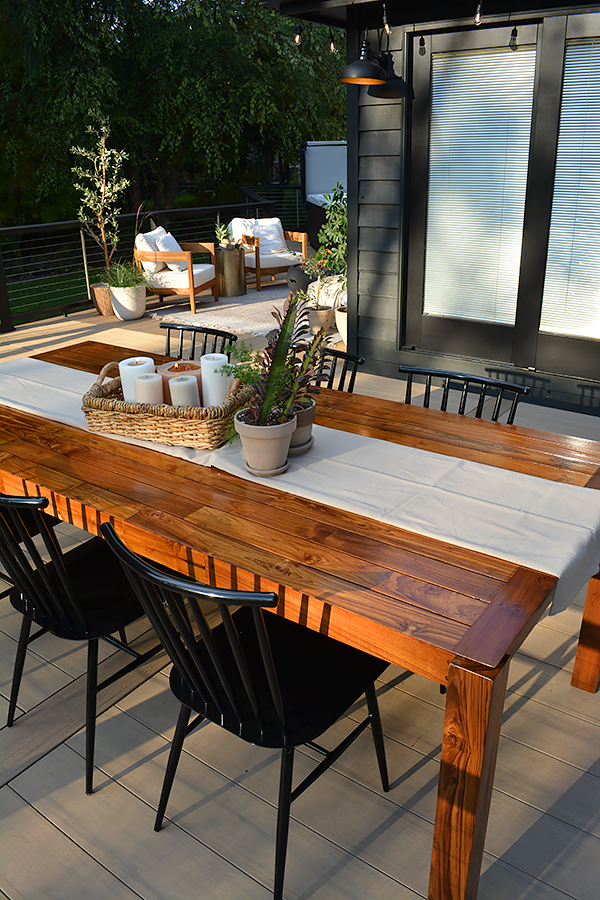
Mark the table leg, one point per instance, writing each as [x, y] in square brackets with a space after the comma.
[587, 661]
[474, 705]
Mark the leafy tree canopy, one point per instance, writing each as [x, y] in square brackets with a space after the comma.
[214, 92]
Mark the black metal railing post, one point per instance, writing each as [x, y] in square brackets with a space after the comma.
[6, 322]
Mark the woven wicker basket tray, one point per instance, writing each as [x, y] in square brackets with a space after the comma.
[202, 427]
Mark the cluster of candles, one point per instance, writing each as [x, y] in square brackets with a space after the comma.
[179, 383]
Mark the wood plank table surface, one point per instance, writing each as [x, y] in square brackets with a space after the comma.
[453, 615]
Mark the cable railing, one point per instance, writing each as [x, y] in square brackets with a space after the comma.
[47, 270]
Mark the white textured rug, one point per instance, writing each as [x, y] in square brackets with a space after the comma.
[250, 313]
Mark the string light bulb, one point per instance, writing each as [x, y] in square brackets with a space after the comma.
[331, 41]
[477, 16]
[386, 25]
[513, 39]
[298, 37]
[422, 50]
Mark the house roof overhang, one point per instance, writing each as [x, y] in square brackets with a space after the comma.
[405, 12]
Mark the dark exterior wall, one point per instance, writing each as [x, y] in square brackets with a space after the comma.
[377, 175]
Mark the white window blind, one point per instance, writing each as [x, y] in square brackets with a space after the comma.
[479, 149]
[571, 301]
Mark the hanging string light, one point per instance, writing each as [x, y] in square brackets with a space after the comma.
[331, 41]
[422, 50]
[513, 39]
[477, 16]
[298, 37]
[386, 26]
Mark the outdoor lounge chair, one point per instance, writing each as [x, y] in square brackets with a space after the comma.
[169, 268]
[264, 243]
[268, 680]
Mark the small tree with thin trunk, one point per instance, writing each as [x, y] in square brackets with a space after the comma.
[100, 185]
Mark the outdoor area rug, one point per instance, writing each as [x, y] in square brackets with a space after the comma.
[247, 314]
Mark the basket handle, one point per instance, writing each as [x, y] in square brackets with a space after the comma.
[104, 370]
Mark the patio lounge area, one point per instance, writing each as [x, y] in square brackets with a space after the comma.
[347, 839]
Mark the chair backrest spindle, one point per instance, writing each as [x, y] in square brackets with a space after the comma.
[483, 387]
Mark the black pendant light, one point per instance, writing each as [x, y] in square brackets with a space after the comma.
[364, 70]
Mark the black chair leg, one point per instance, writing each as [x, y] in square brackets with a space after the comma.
[283, 818]
[18, 670]
[377, 732]
[90, 713]
[173, 761]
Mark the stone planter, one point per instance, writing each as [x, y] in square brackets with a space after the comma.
[129, 302]
[100, 297]
[302, 438]
[265, 446]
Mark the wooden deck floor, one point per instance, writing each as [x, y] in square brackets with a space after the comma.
[348, 841]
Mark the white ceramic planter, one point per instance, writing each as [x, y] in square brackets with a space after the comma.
[265, 446]
[129, 302]
[341, 322]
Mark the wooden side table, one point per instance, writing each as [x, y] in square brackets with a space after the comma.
[231, 273]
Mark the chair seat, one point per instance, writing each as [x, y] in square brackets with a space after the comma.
[307, 664]
[273, 260]
[203, 273]
[103, 591]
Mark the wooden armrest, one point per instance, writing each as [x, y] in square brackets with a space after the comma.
[164, 255]
[196, 247]
[300, 236]
[250, 241]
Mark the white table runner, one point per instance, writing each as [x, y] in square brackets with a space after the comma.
[545, 525]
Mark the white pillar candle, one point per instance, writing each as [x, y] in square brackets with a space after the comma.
[148, 388]
[128, 369]
[215, 385]
[184, 391]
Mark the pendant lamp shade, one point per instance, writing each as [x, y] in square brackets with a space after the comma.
[364, 70]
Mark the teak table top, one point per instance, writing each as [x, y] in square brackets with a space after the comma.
[450, 614]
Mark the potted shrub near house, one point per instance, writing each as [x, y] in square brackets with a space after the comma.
[281, 374]
[101, 184]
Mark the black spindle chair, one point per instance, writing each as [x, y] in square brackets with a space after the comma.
[268, 680]
[336, 364]
[199, 340]
[482, 388]
[80, 594]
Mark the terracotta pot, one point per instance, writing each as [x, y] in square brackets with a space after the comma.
[302, 439]
[100, 297]
[129, 302]
[265, 446]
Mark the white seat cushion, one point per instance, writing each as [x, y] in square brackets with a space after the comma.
[270, 232]
[290, 258]
[147, 244]
[167, 243]
[203, 272]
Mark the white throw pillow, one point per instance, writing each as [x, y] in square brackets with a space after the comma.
[269, 231]
[147, 244]
[168, 244]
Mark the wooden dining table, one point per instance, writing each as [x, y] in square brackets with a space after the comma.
[450, 614]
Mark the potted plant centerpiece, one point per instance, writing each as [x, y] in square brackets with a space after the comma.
[127, 290]
[100, 184]
[281, 375]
